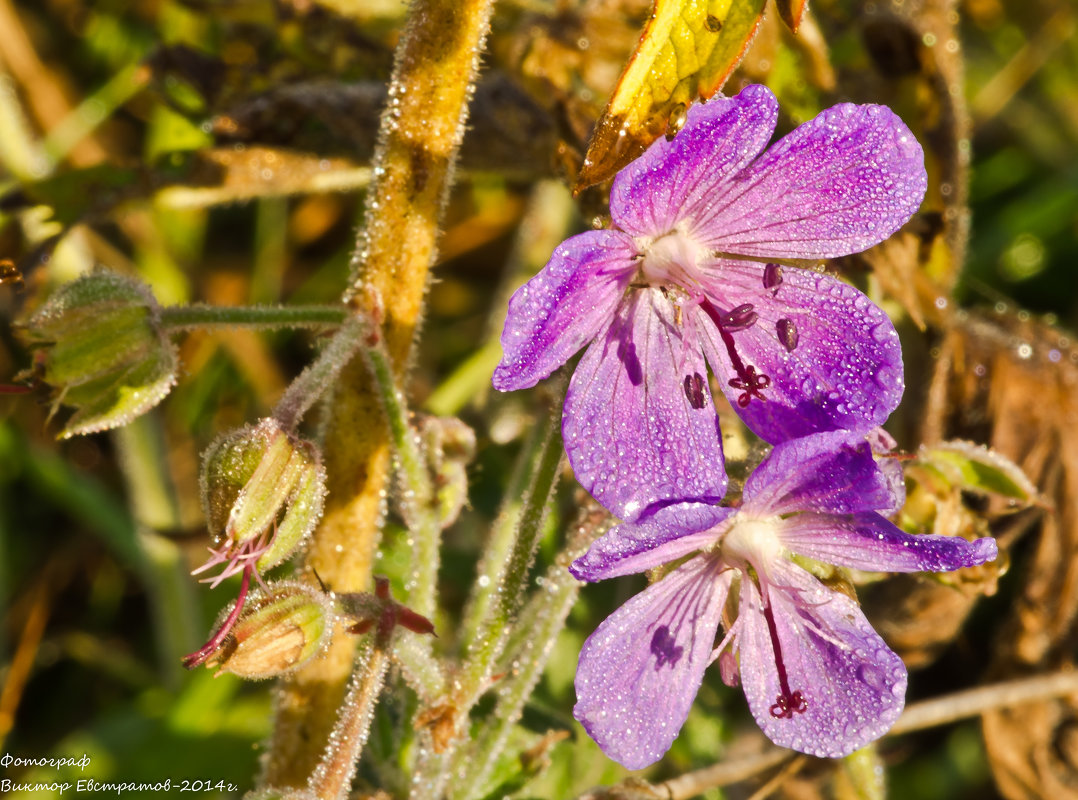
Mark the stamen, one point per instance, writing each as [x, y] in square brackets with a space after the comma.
[748, 379]
[694, 390]
[772, 277]
[787, 703]
[787, 334]
[740, 318]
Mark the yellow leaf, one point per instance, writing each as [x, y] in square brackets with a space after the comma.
[687, 51]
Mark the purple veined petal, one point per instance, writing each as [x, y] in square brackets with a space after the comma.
[838, 184]
[831, 356]
[852, 686]
[868, 541]
[640, 670]
[639, 423]
[831, 472]
[675, 180]
[669, 533]
[564, 307]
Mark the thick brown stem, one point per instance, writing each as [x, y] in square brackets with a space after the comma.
[420, 134]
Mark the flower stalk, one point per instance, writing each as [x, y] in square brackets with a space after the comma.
[435, 68]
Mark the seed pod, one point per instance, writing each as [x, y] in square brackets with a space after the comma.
[99, 344]
[276, 633]
[263, 491]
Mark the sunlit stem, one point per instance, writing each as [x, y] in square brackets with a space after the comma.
[200, 316]
[332, 779]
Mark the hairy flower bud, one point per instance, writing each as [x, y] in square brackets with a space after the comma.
[276, 633]
[263, 491]
[98, 342]
[450, 446]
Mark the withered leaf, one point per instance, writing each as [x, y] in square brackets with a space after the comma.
[687, 51]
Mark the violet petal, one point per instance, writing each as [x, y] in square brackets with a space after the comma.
[657, 539]
[852, 684]
[845, 373]
[831, 472]
[836, 185]
[677, 180]
[633, 437]
[563, 307]
[640, 670]
[868, 541]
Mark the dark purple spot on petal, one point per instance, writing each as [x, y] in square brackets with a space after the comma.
[664, 649]
[786, 706]
[627, 356]
[694, 390]
[772, 276]
[787, 332]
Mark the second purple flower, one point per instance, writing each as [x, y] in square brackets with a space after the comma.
[698, 271]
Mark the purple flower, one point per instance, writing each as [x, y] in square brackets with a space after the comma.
[817, 677]
[697, 269]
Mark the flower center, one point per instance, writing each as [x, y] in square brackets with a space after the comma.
[755, 541]
[672, 258]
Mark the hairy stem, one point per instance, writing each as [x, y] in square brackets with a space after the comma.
[421, 129]
[332, 779]
[312, 383]
[200, 316]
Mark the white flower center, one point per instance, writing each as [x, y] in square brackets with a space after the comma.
[673, 258]
[752, 540]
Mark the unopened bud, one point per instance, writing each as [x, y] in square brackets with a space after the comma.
[450, 446]
[276, 633]
[99, 344]
[263, 490]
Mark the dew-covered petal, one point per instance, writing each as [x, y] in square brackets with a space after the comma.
[852, 684]
[838, 184]
[678, 180]
[639, 423]
[640, 670]
[868, 541]
[844, 370]
[563, 307]
[669, 533]
[831, 472]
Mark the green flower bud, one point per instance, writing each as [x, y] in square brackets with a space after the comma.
[450, 446]
[99, 344]
[263, 491]
[276, 633]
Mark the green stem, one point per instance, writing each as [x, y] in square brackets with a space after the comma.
[312, 383]
[497, 601]
[199, 315]
[417, 495]
[529, 649]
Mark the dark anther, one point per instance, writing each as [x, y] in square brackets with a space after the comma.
[786, 705]
[740, 318]
[751, 384]
[694, 389]
[748, 379]
[663, 647]
[772, 276]
[787, 334]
